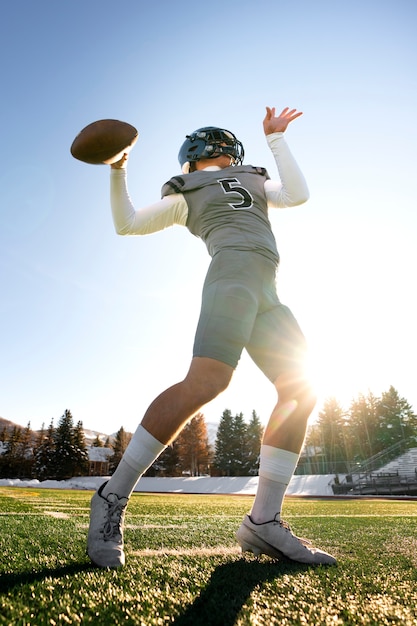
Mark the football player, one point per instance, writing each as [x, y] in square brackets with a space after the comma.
[225, 203]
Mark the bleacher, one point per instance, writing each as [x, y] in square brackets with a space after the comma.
[397, 477]
[404, 465]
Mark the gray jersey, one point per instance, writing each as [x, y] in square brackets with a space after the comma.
[227, 208]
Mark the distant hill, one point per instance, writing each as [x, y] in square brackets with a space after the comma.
[7, 423]
[90, 435]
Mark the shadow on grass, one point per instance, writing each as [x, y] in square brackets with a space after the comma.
[10, 581]
[228, 590]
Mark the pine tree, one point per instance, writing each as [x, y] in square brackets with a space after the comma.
[396, 420]
[224, 443]
[3, 434]
[120, 444]
[97, 443]
[45, 454]
[17, 460]
[254, 434]
[362, 428]
[332, 427]
[235, 452]
[239, 465]
[80, 459]
[9, 460]
[193, 447]
[168, 463]
[64, 447]
[24, 458]
[13, 441]
[40, 436]
[3, 440]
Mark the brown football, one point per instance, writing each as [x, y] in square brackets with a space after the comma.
[104, 142]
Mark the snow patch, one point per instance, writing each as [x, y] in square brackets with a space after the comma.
[314, 485]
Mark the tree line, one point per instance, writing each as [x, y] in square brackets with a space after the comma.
[338, 442]
[61, 452]
[235, 452]
[57, 453]
[342, 440]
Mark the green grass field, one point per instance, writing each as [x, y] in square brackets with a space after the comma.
[184, 566]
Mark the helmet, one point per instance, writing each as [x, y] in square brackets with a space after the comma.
[207, 143]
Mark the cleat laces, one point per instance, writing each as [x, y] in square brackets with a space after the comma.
[286, 525]
[114, 517]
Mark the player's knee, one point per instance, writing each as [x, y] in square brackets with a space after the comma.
[213, 384]
[207, 378]
[309, 398]
[211, 388]
[295, 386]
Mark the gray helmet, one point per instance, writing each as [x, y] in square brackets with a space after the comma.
[208, 143]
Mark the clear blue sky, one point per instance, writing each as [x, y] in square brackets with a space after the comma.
[100, 324]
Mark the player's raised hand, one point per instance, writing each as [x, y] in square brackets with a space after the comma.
[121, 164]
[278, 124]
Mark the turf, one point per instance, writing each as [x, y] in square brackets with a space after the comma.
[184, 567]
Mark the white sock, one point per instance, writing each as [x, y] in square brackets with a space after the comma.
[140, 453]
[276, 469]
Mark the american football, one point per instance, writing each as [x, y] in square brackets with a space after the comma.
[104, 142]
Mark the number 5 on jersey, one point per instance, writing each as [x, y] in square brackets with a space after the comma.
[232, 185]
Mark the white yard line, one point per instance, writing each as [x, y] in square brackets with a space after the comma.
[217, 551]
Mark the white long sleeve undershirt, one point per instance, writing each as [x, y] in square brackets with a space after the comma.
[173, 209]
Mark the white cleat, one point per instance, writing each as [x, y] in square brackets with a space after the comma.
[105, 534]
[276, 539]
